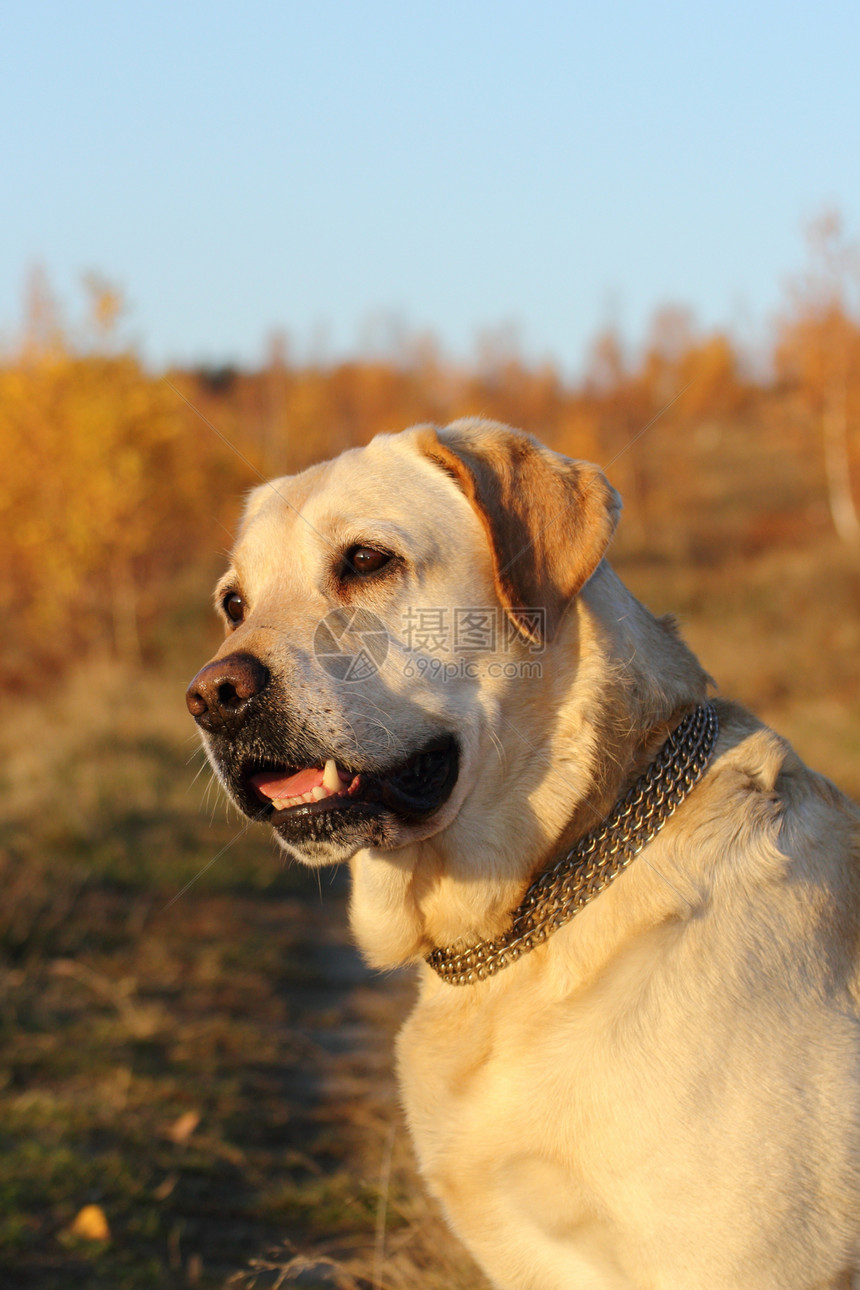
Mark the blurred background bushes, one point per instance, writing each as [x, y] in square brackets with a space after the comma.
[120, 487]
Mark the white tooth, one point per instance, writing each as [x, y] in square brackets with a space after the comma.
[306, 797]
[277, 803]
[331, 779]
[318, 793]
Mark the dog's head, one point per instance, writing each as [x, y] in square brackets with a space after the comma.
[378, 609]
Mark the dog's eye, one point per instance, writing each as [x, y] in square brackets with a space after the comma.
[233, 606]
[363, 560]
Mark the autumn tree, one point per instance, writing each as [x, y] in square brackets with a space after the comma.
[100, 492]
[818, 353]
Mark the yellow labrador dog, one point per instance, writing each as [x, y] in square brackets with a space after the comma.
[635, 1056]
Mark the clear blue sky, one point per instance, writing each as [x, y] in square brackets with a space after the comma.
[313, 167]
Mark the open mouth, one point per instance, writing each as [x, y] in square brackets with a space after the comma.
[285, 789]
[411, 790]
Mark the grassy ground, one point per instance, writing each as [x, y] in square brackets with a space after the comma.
[212, 1069]
[213, 1073]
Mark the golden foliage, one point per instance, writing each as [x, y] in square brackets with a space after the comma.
[115, 480]
[97, 464]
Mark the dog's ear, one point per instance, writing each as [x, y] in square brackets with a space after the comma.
[548, 519]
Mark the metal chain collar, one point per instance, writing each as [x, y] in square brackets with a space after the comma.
[558, 894]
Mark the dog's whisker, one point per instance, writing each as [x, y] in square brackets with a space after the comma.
[200, 769]
[670, 885]
[500, 749]
[205, 868]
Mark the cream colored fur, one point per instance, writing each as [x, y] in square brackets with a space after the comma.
[663, 1096]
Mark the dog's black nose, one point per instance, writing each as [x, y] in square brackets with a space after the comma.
[222, 692]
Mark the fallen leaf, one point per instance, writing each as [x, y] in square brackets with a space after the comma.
[91, 1224]
[182, 1128]
[164, 1188]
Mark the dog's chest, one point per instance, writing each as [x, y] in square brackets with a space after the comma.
[516, 1133]
[597, 1143]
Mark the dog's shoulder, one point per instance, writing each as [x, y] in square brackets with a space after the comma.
[778, 840]
[753, 761]
[758, 777]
